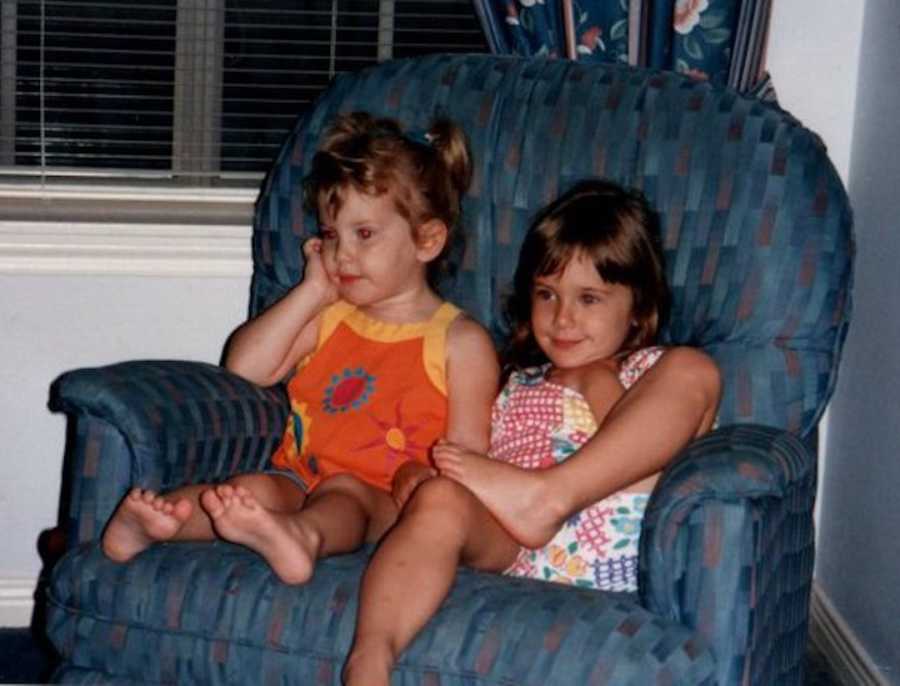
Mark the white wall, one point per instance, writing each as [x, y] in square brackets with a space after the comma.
[55, 322]
[859, 559]
[813, 58]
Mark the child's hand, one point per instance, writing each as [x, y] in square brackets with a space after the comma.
[316, 275]
[407, 479]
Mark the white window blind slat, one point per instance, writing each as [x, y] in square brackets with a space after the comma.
[195, 91]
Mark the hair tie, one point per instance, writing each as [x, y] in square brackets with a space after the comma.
[420, 136]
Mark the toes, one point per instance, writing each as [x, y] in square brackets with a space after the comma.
[182, 509]
[212, 503]
[247, 500]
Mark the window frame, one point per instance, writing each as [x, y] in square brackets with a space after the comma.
[137, 222]
[138, 230]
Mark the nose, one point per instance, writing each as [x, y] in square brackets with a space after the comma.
[563, 316]
[341, 251]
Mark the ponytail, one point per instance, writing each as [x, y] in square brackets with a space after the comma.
[450, 143]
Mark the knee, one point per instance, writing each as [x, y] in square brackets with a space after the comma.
[347, 484]
[440, 498]
[252, 482]
[697, 371]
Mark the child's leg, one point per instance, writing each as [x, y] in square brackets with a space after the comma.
[338, 517]
[442, 525]
[145, 517]
[672, 403]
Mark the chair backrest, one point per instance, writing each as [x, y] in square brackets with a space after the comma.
[755, 221]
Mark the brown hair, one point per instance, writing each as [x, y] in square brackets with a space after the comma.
[616, 229]
[426, 173]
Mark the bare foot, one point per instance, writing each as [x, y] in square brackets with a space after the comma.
[287, 544]
[142, 518]
[516, 497]
[368, 666]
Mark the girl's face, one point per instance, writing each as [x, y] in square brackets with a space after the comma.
[577, 317]
[368, 247]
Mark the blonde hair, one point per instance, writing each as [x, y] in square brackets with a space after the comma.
[425, 173]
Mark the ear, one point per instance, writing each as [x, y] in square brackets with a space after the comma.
[431, 239]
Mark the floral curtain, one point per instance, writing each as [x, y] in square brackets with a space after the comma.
[722, 41]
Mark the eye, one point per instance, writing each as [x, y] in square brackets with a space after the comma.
[589, 299]
[364, 234]
[327, 234]
[542, 293]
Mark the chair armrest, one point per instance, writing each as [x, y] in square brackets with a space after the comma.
[727, 548]
[157, 424]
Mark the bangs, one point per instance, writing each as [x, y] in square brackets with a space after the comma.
[555, 256]
[333, 176]
[562, 243]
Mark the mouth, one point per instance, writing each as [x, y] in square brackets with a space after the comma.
[347, 279]
[564, 344]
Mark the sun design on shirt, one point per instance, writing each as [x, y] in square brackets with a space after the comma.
[396, 437]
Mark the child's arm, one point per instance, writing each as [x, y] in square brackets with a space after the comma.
[472, 377]
[268, 346]
[602, 390]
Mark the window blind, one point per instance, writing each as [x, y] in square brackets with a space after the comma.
[189, 91]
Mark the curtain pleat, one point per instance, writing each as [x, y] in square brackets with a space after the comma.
[720, 41]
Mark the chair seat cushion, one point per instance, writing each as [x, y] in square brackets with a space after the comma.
[216, 614]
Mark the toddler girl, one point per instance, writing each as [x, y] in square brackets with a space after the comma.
[383, 366]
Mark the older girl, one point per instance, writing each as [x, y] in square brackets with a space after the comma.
[589, 297]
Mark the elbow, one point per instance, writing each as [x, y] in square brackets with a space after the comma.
[235, 365]
[242, 366]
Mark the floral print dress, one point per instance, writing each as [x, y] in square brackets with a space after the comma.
[538, 423]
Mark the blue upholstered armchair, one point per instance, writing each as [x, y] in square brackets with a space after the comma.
[757, 234]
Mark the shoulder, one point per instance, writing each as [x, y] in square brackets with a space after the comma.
[692, 363]
[465, 335]
[332, 315]
[470, 352]
[693, 368]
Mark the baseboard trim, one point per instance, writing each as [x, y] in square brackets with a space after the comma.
[16, 601]
[848, 660]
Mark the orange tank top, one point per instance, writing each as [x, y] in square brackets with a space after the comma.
[372, 396]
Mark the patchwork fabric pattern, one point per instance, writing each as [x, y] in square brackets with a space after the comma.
[222, 618]
[537, 424]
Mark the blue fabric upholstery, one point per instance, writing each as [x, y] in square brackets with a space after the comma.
[758, 243]
[228, 620]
